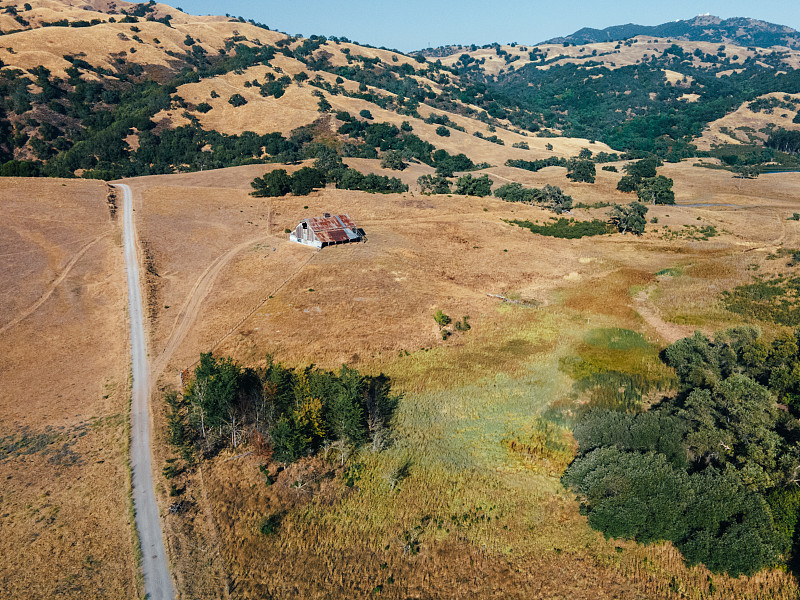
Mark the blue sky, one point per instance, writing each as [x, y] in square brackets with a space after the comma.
[415, 24]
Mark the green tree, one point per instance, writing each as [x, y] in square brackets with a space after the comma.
[442, 131]
[434, 184]
[306, 180]
[274, 183]
[743, 172]
[468, 185]
[351, 180]
[555, 199]
[630, 218]
[515, 192]
[631, 495]
[582, 171]
[324, 106]
[214, 391]
[344, 413]
[329, 163]
[657, 190]
[393, 160]
[237, 100]
[644, 168]
[628, 183]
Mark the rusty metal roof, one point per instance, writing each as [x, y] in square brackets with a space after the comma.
[334, 229]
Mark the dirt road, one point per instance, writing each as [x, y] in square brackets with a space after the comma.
[157, 582]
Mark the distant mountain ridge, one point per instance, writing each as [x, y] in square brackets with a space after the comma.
[704, 28]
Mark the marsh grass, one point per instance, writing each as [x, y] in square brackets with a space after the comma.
[776, 300]
[614, 368]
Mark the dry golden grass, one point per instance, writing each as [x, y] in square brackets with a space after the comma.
[102, 43]
[65, 526]
[607, 54]
[298, 107]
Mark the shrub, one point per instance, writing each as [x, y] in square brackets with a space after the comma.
[237, 100]
[566, 228]
[270, 525]
[204, 107]
[474, 186]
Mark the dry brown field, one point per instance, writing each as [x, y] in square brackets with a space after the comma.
[66, 528]
[224, 277]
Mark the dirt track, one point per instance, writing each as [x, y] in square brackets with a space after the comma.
[157, 582]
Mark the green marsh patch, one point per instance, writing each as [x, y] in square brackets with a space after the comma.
[774, 300]
[616, 338]
[614, 368]
[670, 272]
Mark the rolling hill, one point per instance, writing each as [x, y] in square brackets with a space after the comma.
[703, 28]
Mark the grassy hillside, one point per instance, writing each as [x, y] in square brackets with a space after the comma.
[83, 112]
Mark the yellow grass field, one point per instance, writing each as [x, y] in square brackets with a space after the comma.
[66, 529]
[610, 54]
[456, 505]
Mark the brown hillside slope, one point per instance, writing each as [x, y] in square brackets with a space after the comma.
[746, 126]
[298, 107]
[112, 45]
[608, 54]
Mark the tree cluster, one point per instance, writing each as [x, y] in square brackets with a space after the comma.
[714, 469]
[550, 196]
[581, 171]
[296, 410]
[629, 218]
[326, 170]
[467, 185]
[643, 179]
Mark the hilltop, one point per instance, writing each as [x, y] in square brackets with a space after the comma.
[702, 28]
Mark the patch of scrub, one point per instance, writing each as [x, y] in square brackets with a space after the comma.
[615, 338]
